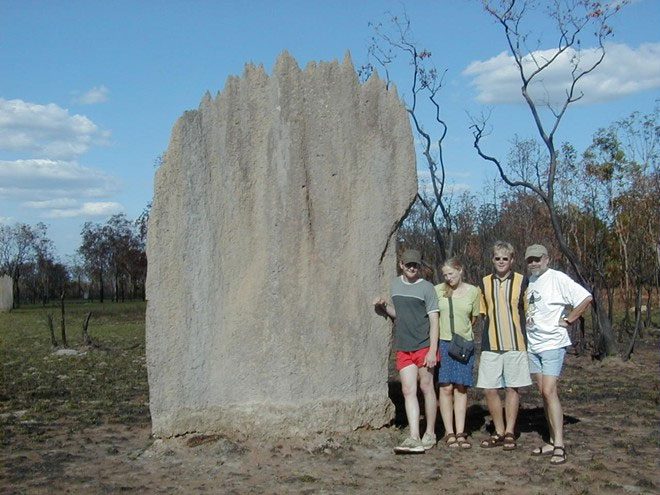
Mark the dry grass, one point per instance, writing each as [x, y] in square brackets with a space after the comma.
[43, 392]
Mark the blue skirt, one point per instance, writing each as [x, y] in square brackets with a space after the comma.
[452, 371]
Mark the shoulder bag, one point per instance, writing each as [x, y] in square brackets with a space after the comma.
[460, 348]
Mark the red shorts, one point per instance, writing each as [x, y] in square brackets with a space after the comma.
[406, 358]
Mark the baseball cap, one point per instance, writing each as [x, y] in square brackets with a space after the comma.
[536, 251]
[411, 256]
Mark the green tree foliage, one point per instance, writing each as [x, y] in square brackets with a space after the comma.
[113, 255]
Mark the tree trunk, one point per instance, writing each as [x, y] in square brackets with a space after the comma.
[87, 340]
[51, 328]
[633, 340]
[101, 294]
[17, 290]
[62, 322]
[638, 311]
[649, 301]
[606, 342]
[581, 338]
[610, 303]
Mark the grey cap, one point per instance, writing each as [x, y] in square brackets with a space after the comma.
[536, 251]
[411, 256]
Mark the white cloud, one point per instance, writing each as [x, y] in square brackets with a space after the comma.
[98, 94]
[452, 188]
[6, 220]
[69, 208]
[51, 203]
[624, 71]
[87, 210]
[35, 181]
[46, 131]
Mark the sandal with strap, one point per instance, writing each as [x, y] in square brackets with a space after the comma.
[450, 440]
[493, 441]
[462, 441]
[545, 449]
[509, 441]
[558, 456]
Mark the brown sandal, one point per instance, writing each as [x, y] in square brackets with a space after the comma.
[509, 441]
[462, 441]
[558, 453]
[493, 441]
[450, 440]
[545, 449]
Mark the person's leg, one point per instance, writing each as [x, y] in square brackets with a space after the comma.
[553, 409]
[447, 407]
[494, 404]
[430, 400]
[552, 363]
[460, 410]
[490, 379]
[408, 376]
[511, 405]
[460, 407]
[538, 378]
[546, 447]
[512, 402]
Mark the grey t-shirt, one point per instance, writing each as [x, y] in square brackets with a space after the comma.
[412, 303]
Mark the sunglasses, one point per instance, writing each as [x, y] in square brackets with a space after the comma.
[410, 266]
[501, 258]
[533, 259]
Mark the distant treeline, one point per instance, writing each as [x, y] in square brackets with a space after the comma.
[110, 263]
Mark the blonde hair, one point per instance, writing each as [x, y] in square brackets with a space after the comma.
[455, 264]
[503, 246]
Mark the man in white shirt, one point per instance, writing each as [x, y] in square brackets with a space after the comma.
[554, 302]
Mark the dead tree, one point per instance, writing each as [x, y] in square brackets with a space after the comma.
[87, 340]
[386, 45]
[572, 18]
[51, 328]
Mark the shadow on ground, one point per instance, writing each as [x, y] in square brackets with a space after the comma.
[530, 419]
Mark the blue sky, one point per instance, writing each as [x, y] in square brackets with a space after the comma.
[90, 90]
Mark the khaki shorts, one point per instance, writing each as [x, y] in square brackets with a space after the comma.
[503, 369]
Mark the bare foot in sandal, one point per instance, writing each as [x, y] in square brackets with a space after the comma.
[462, 441]
[545, 449]
[450, 440]
[558, 455]
[492, 441]
[509, 441]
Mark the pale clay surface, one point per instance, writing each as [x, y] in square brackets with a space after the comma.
[270, 234]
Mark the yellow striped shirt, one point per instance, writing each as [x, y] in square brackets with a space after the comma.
[502, 301]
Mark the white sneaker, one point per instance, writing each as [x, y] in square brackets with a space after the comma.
[410, 446]
[429, 441]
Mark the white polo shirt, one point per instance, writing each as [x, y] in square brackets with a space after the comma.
[549, 296]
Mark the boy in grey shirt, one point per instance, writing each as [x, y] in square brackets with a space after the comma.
[414, 310]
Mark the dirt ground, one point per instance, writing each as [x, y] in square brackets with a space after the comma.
[611, 428]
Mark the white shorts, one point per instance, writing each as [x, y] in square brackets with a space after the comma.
[503, 369]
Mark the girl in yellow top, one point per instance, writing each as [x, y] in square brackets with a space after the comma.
[455, 377]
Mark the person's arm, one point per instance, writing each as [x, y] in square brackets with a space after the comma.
[431, 358]
[477, 306]
[573, 316]
[483, 306]
[382, 308]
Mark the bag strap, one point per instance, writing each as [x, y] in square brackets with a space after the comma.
[451, 315]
